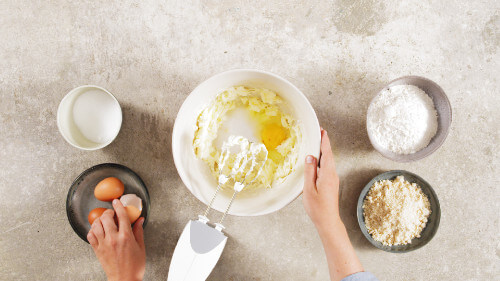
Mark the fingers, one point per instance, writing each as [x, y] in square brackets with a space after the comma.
[92, 239]
[326, 159]
[139, 232]
[121, 213]
[108, 222]
[310, 169]
[98, 230]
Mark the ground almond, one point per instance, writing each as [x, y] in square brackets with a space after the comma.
[395, 211]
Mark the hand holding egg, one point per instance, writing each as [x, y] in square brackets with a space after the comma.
[133, 205]
[119, 247]
[112, 188]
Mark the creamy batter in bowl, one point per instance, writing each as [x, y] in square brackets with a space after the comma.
[264, 113]
[198, 176]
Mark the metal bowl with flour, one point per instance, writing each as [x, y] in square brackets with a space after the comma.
[433, 221]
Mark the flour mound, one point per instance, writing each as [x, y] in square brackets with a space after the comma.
[395, 211]
[402, 119]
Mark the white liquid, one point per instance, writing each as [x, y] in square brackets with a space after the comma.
[97, 115]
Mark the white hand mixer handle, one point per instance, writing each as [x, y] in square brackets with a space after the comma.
[197, 251]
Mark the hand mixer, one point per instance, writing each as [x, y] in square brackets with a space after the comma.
[201, 244]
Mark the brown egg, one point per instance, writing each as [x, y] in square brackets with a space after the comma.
[133, 205]
[133, 213]
[94, 214]
[109, 189]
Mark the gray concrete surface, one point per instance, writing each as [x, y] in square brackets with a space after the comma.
[151, 54]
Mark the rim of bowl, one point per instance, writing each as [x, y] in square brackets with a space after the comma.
[306, 104]
[72, 189]
[436, 145]
[361, 219]
[59, 125]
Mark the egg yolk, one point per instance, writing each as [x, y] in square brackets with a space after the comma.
[273, 135]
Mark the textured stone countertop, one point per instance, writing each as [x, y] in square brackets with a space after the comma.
[152, 54]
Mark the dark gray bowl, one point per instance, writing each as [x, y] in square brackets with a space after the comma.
[443, 108]
[432, 224]
[81, 199]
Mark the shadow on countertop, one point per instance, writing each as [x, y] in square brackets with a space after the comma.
[350, 189]
[144, 145]
[343, 107]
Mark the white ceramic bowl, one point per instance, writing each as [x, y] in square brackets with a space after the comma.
[195, 173]
[70, 131]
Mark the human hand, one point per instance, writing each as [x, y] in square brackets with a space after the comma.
[321, 201]
[321, 187]
[119, 249]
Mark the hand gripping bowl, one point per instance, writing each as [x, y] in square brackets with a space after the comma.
[195, 173]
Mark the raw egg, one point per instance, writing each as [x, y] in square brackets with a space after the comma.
[273, 135]
[133, 205]
[94, 214]
[109, 189]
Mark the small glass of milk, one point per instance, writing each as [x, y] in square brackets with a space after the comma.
[89, 117]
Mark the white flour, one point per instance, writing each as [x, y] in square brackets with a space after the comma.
[402, 119]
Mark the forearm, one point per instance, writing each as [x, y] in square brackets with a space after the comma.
[342, 260]
[129, 279]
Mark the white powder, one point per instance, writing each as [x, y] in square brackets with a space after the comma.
[402, 119]
[97, 115]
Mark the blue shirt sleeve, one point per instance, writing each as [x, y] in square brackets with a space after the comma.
[361, 276]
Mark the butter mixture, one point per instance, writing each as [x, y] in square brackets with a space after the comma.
[277, 130]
